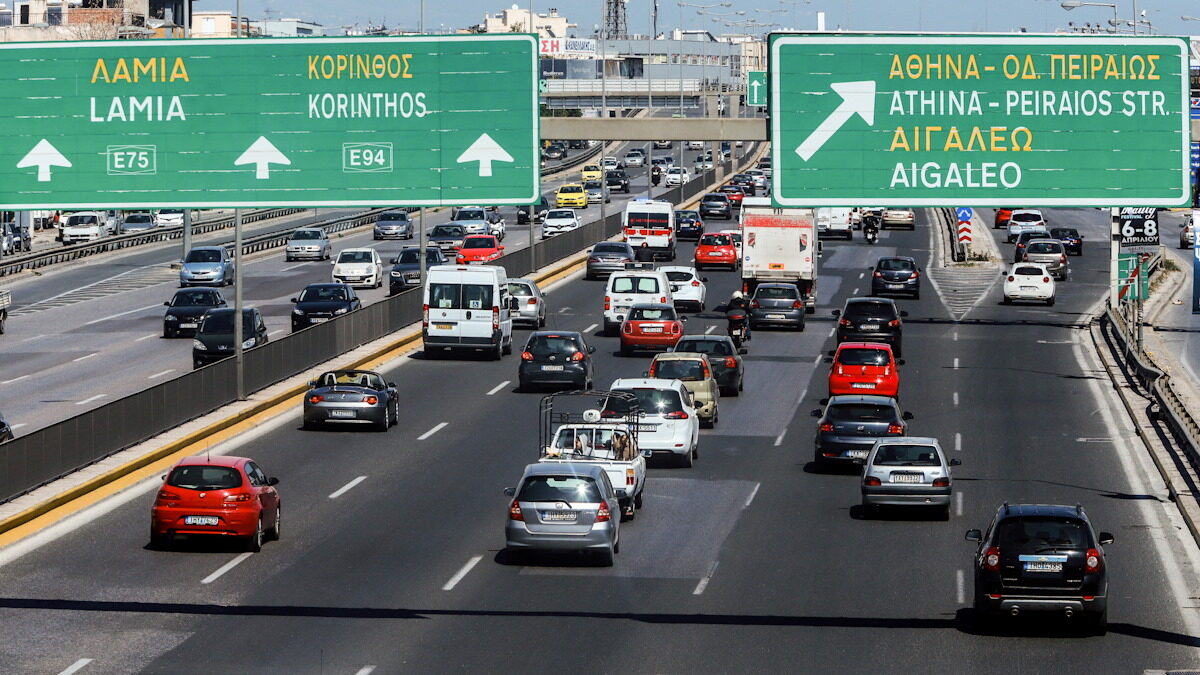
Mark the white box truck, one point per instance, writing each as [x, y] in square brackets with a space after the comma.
[779, 245]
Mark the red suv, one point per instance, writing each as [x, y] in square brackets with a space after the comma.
[651, 327]
[864, 368]
[225, 496]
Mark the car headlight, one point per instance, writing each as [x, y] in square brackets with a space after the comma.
[397, 274]
[171, 317]
[248, 343]
[199, 346]
[342, 310]
[298, 312]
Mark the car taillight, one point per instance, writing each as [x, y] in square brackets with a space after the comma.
[167, 495]
[532, 301]
[826, 427]
[1012, 278]
[630, 478]
[991, 559]
[915, 275]
[370, 400]
[243, 497]
[676, 328]
[844, 322]
[578, 356]
[424, 316]
[607, 303]
[653, 368]
[895, 429]
[495, 318]
[1093, 561]
[894, 322]
[315, 398]
[460, 260]
[941, 482]
[627, 328]
[526, 356]
[797, 305]
[1025, 258]
[695, 283]
[602, 514]
[1062, 258]
[754, 304]
[871, 481]
[677, 415]
[514, 511]
[1045, 280]
[593, 259]
[663, 300]
[878, 275]
[730, 362]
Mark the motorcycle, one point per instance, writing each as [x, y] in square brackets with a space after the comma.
[656, 176]
[737, 327]
[870, 230]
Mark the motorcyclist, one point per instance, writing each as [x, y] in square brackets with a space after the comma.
[737, 311]
[656, 175]
[870, 227]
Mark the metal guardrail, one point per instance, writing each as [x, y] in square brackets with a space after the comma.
[41, 259]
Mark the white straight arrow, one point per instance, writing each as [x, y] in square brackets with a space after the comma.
[754, 90]
[43, 156]
[262, 153]
[485, 151]
[858, 98]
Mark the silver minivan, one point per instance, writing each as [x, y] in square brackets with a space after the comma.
[907, 471]
[564, 507]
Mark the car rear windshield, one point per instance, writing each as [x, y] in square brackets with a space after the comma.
[1031, 534]
[907, 455]
[593, 185]
[520, 289]
[679, 276]
[221, 323]
[470, 214]
[635, 285]
[718, 199]
[687, 215]
[307, 234]
[197, 298]
[1026, 217]
[881, 310]
[610, 247]
[570, 489]
[447, 231]
[355, 257]
[483, 242]
[861, 356]
[861, 412]
[591, 167]
[545, 345]
[205, 478]
[1064, 232]
[1031, 271]
[735, 236]
[652, 314]
[200, 255]
[896, 265]
[460, 296]
[776, 293]
[1045, 247]
[714, 347]
[716, 240]
[323, 294]
[689, 370]
[651, 401]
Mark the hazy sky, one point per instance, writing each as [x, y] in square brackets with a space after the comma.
[943, 15]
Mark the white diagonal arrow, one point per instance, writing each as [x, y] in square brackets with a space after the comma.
[858, 98]
[485, 151]
[262, 154]
[43, 156]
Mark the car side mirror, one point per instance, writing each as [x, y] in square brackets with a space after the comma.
[1105, 538]
[295, 300]
[391, 385]
[683, 318]
[166, 304]
[903, 314]
[1081, 236]
[312, 383]
[956, 462]
[332, 262]
[828, 359]
[645, 373]
[816, 412]
[743, 350]
[824, 401]
[163, 477]
[501, 248]
[836, 312]
[973, 535]
[272, 481]
[871, 268]
[906, 416]
[830, 353]
[704, 279]
[591, 350]
[899, 362]
[396, 260]
[510, 491]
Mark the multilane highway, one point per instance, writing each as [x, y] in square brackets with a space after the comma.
[391, 559]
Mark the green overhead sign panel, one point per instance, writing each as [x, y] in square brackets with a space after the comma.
[756, 87]
[973, 120]
[380, 121]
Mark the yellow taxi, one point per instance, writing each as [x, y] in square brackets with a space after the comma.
[571, 195]
[590, 172]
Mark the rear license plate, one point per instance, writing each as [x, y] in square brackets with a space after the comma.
[775, 316]
[1029, 288]
[895, 285]
[443, 326]
[647, 427]
[652, 329]
[857, 454]
[552, 368]
[187, 325]
[906, 478]
[862, 385]
[1043, 567]
[869, 326]
[201, 520]
[319, 319]
[342, 413]
[715, 253]
[558, 516]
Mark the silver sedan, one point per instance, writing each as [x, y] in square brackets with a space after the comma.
[906, 471]
[351, 397]
[531, 304]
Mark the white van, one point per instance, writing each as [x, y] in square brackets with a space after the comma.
[649, 227]
[467, 307]
[835, 222]
[639, 283]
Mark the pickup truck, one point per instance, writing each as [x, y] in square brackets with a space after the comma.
[610, 445]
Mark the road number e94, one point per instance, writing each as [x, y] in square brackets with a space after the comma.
[366, 157]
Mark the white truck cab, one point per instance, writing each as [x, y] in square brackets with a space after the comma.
[639, 283]
[467, 307]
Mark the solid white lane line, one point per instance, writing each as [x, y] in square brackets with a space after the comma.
[956, 363]
[365, 670]
[431, 432]
[35, 337]
[499, 387]
[90, 399]
[779, 438]
[956, 335]
[119, 314]
[818, 359]
[704, 582]
[958, 503]
[225, 568]
[277, 330]
[960, 586]
[76, 667]
[958, 441]
[458, 576]
[346, 488]
[1054, 342]
[84, 358]
[146, 337]
[710, 329]
[158, 375]
[753, 493]
[591, 328]
[956, 398]
[16, 379]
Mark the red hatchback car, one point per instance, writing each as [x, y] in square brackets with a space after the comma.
[716, 249]
[864, 368]
[736, 194]
[226, 496]
[651, 326]
[479, 248]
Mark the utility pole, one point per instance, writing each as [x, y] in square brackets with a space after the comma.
[187, 213]
[237, 305]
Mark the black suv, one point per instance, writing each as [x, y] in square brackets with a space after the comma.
[617, 179]
[717, 205]
[321, 302]
[214, 339]
[870, 320]
[1041, 558]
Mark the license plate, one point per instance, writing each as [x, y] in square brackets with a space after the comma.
[895, 285]
[558, 516]
[862, 385]
[342, 413]
[906, 478]
[715, 254]
[319, 319]
[443, 326]
[857, 454]
[869, 326]
[647, 427]
[1043, 567]
[201, 520]
[1029, 288]
[187, 325]
[552, 368]
[775, 316]
[652, 329]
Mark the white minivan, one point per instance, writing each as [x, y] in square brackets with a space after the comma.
[467, 307]
[669, 424]
[639, 283]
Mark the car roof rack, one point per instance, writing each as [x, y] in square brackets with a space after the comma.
[1006, 510]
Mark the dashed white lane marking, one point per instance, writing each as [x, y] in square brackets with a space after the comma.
[704, 582]
[862, 274]
[155, 376]
[277, 330]
[347, 487]
[956, 336]
[458, 576]
[225, 568]
[365, 670]
[84, 358]
[16, 379]
[35, 337]
[956, 363]
[956, 398]
[291, 267]
[120, 314]
[958, 503]
[89, 399]
[857, 290]
[499, 387]
[1085, 439]
[432, 431]
[960, 586]
[958, 441]
[753, 493]
[779, 438]
[818, 359]
[710, 329]
[75, 667]
[1054, 342]
[591, 328]
[18, 425]
[146, 337]
[832, 331]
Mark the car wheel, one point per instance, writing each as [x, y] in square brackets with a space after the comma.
[707, 423]
[498, 353]
[1006, 300]
[383, 424]
[255, 541]
[507, 347]
[606, 557]
[800, 327]
[276, 529]
[168, 333]
[287, 258]
[541, 323]
[943, 513]
[868, 511]
[1099, 622]
[686, 460]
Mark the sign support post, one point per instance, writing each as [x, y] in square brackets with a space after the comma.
[1114, 257]
[238, 336]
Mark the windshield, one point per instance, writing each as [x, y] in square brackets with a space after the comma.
[447, 231]
[355, 257]
[896, 265]
[1030, 534]
[593, 185]
[675, 170]
[687, 216]
[323, 294]
[1065, 233]
[776, 293]
[652, 314]
[203, 255]
[569, 189]
[689, 370]
[411, 256]
[859, 356]
[398, 216]
[1026, 217]
[354, 378]
[545, 345]
[721, 199]
[170, 212]
[205, 478]
[714, 347]
[138, 218]
[907, 455]
[635, 285]
[460, 296]
[196, 298]
[470, 214]
[861, 412]
[560, 215]
[306, 235]
[652, 401]
[591, 167]
[570, 489]
[518, 288]
[482, 242]
[716, 240]
[610, 247]
[75, 221]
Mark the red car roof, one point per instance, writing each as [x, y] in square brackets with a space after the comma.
[208, 460]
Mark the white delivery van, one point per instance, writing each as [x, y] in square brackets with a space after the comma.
[649, 227]
[638, 284]
[467, 308]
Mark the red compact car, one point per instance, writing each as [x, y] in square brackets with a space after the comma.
[479, 248]
[736, 194]
[227, 496]
[651, 327]
[716, 249]
[864, 368]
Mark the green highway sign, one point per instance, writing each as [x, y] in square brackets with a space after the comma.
[756, 87]
[379, 121]
[974, 120]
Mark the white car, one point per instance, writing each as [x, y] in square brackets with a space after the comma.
[669, 424]
[633, 287]
[687, 286]
[760, 178]
[677, 175]
[170, 217]
[635, 157]
[359, 267]
[736, 236]
[1029, 282]
[893, 217]
[695, 145]
[84, 226]
[558, 221]
[1023, 219]
[610, 163]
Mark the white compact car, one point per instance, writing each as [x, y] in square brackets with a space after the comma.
[558, 221]
[669, 424]
[1024, 219]
[1029, 282]
[633, 287]
[687, 287]
[736, 237]
[359, 267]
[677, 175]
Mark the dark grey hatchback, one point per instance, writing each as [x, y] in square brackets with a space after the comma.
[214, 339]
[850, 425]
[777, 304]
[724, 358]
[871, 320]
[896, 274]
[556, 358]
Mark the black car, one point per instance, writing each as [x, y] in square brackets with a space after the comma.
[688, 225]
[617, 179]
[577, 145]
[724, 357]
[870, 320]
[447, 237]
[1071, 240]
[746, 182]
[321, 302]
[896, 274]
[214, 339]
[554, 151]
[556, 358]
[850, 424]
[406, 267]
[716, 205]
[1041, 558]
[541, 207]
[187, 307]
[777, 304]
[6, 432]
